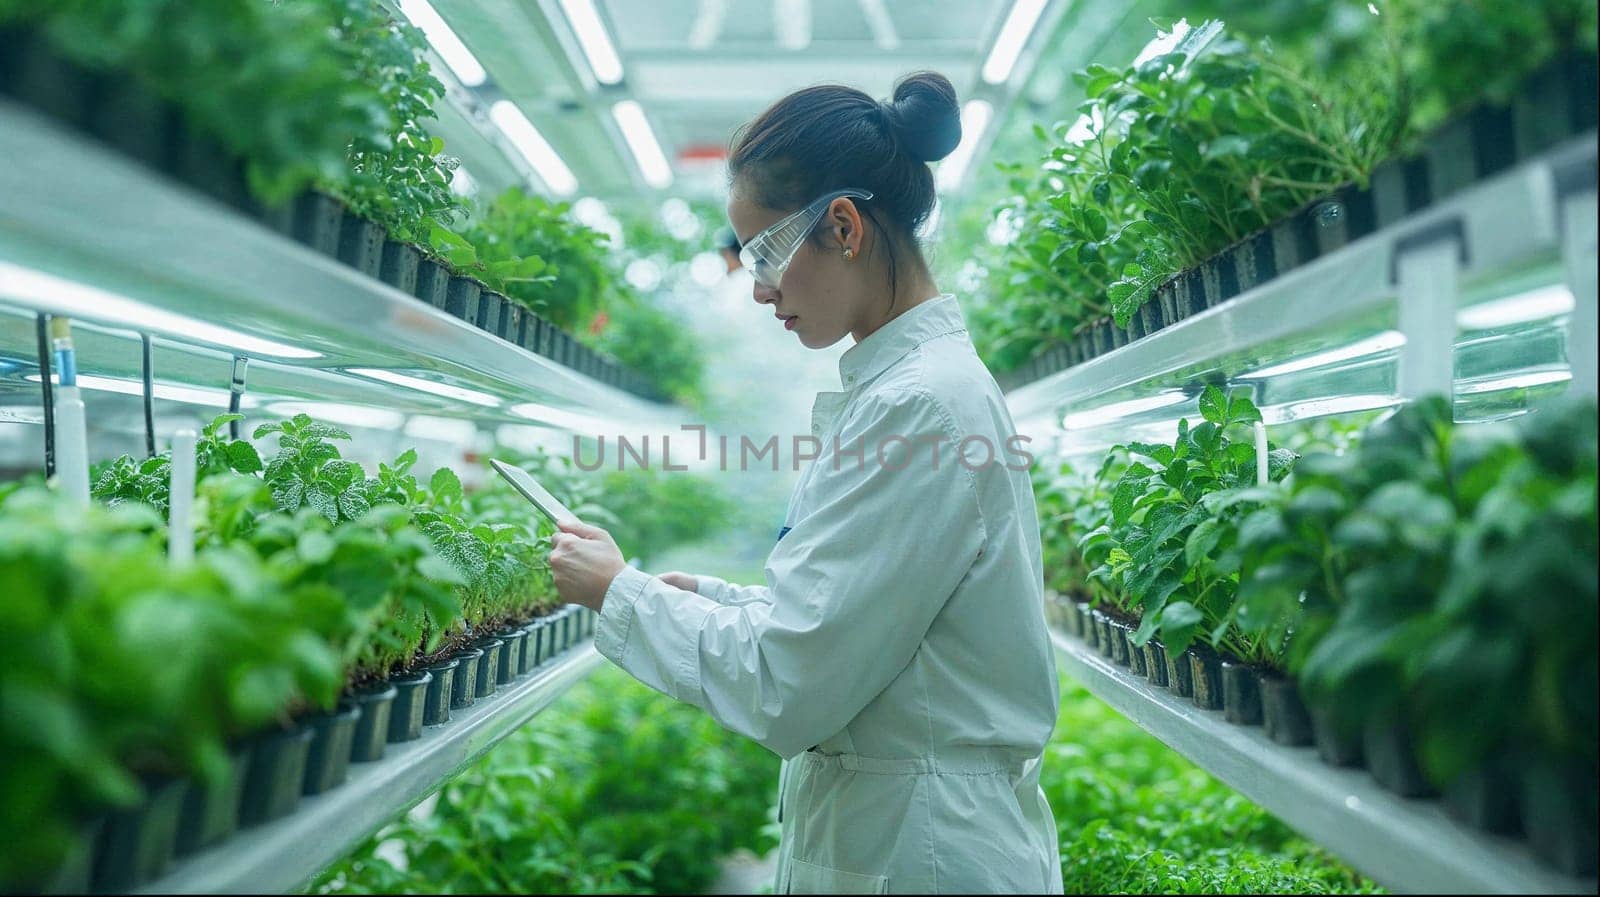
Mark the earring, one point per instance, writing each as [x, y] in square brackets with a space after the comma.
[849, 254]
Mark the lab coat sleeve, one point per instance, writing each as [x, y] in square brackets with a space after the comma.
[853, 587]
[724, 592]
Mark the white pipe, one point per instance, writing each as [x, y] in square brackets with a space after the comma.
[180, 525]
[72, 445]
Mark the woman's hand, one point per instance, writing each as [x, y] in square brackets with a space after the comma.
[584, 560]
[686, 581]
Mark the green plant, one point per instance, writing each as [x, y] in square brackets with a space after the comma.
[309, 471]
[1174, 528]
[288, 105]
[400, 178]
[545, 260]
[617, 790]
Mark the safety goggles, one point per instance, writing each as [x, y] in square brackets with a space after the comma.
[769, 253]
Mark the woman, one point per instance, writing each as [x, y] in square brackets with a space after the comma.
[897, 656]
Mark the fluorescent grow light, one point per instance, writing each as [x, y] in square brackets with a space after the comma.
[444, 41]
[1013, 37]
[65, 297]
[975, 117]
[642, 143]
[593, 40]
[791, 21]
[1534, 305]
[1083, 420]
[881, 26]
[533, 147]
[1387, 341]
[340, 413]
[174, 392]
[439, 389]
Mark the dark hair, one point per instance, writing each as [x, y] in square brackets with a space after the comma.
[832, 137]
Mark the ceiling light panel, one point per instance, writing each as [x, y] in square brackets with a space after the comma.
[444, 41]
[532, 146]
[642, 143]
[594, 40]
[1012, 38]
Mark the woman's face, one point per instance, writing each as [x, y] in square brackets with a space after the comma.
[821, 297]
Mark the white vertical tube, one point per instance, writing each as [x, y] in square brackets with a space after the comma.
[1263, 473]
[72, 445]
[180, 526]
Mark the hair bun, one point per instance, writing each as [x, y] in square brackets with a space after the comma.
[925, 116]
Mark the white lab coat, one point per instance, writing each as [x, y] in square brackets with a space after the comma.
[897, 657]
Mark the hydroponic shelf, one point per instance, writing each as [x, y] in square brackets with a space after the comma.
[1489, 294]
[1409, 846]
[285, 855]
[88, 233]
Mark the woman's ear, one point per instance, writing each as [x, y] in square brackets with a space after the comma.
[844, 220]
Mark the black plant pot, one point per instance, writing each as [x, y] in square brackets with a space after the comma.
[1085, 343]
[1253, 261]
[372, 729]
[489, 666]
[511, 321]
[1180, 675]
[461, 300]
[1338, 744]
[1138, 664]
[136, 845]
[1399, 188]
[204, 163]
[1559, 814]
[548, 332]
[564, 631]
[1067, 610]
[1086, 626]
[411, 698]
[314, 219]
[1220, 278]
[490, 305]
[464, 691]
[1283, 714]
[1557, 102]
[1241, 694]
[1189, 292]
[128, 115]
[211, 809]
[276, 775]
[1488, 797]
[1150, 317]
[398, 266]
[1155, 663]
[1330, 221]
[1119, 643]
[74, 874]
[1294, 242]
[1102, 634]
[1099, 338]
[433, 283]
[1205, 669]
[41, 78]
[328, 758]
[1494, 144]
[510, 656]
[1450, 163]
[537, 652]
[1166, 300]
[361, 245]
[1119, 336]
[1391, 756]
[528, 656]
[436, 706]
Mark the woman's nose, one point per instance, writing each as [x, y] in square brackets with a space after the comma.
[763, 294]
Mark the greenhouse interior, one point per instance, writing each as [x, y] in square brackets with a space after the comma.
[404, 489]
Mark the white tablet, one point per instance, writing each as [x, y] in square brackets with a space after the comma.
[533, 492]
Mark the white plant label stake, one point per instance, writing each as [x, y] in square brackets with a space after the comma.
[1261, 454]
[180, 528]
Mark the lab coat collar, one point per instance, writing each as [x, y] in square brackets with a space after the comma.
[889, 343]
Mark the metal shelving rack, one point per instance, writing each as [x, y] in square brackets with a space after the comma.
[152, 256]
[1490, 296]
[1409, 846]
[285, 855]
[123, 251]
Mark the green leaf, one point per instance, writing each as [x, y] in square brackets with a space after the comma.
[352, 504]
[1226, 146]
[315, 546]
[242, 457]
[1202, 540]
[1214, 405]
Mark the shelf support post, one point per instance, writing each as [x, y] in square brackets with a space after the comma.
[1427, 277]
[1578, 253]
